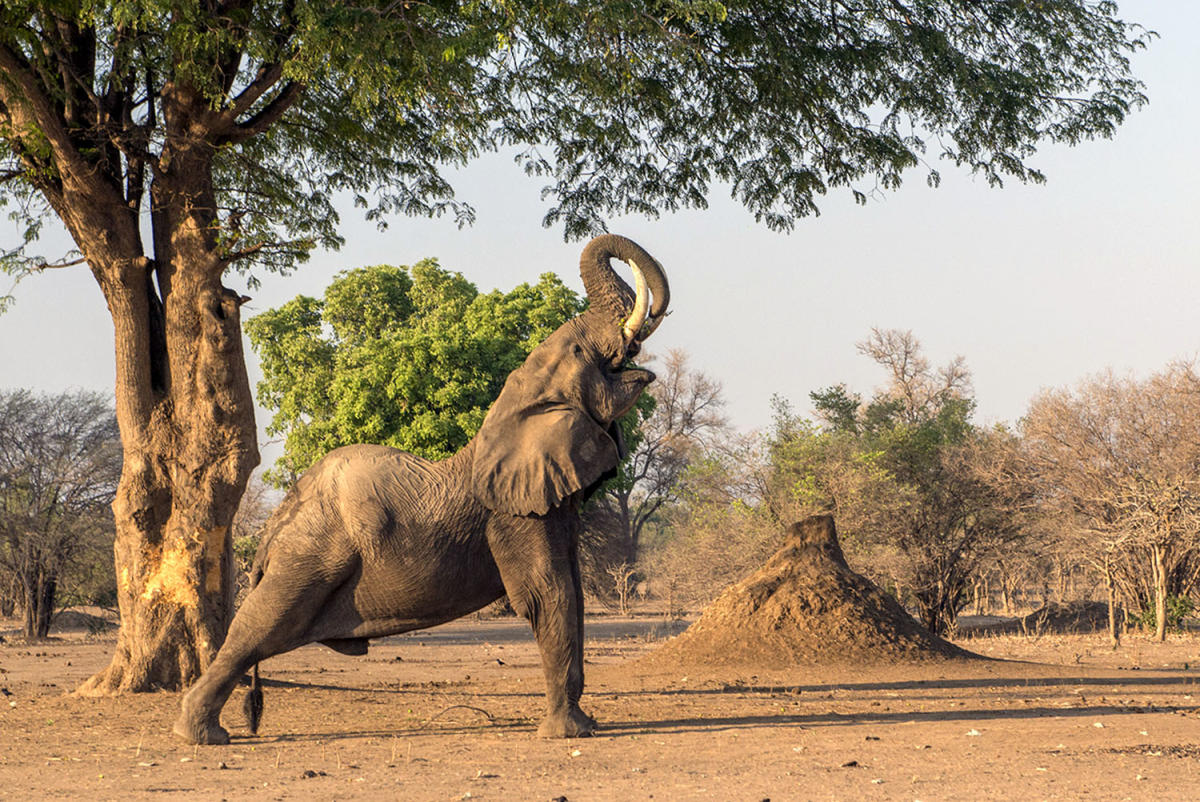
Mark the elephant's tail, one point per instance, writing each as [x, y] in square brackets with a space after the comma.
[253, 706]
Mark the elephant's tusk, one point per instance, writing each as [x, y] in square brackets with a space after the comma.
[633, 323]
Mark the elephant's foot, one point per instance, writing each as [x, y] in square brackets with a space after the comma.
[200, 733]
[574, 723]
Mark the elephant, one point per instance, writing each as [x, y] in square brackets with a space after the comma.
[372, 541]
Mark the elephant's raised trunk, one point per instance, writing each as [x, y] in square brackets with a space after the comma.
[607, 291]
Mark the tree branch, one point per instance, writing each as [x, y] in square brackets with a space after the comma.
[268, 75]
[58, 265]
[30, 108]
[267, 115]
[244, 252]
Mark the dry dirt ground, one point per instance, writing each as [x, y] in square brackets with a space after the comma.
[450, 714]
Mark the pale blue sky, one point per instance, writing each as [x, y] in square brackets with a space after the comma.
[1035, 286]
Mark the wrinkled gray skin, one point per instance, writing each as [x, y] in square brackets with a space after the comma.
[373, 541]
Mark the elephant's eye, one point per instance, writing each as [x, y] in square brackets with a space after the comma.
[576, 349]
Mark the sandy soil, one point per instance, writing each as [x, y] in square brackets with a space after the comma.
[451, 713]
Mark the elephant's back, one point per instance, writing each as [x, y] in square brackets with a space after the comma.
[371, 486]
[377, 504]
[345, 496]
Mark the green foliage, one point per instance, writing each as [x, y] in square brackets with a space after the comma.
[840, 468]
[244, 549]
[410, 357]
[621, 107]
[836, 406]
[1178, 608]
[784, 101]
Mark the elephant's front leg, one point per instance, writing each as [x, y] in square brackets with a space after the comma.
[537, 564]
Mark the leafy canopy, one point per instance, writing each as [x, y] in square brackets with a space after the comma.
[632, 107]
[410, 357]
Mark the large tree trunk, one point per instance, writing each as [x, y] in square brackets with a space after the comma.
[189, 448]
[187, 426]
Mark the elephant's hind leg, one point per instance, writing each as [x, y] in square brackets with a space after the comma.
[275, 617]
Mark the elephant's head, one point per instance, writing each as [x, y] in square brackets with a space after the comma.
[551, 432]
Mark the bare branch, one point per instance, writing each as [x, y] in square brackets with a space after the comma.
[57, 265]
[245, 252]
[268, 75]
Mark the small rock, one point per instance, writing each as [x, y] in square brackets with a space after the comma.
[973, 733]
[850, 764]
[222, 765]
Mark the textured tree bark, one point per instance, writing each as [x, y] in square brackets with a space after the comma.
[186, 415]
[188, 454]
[183, 400]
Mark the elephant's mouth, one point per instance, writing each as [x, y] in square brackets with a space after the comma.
[630, 381]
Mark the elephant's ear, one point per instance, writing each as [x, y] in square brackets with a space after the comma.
[529, 461]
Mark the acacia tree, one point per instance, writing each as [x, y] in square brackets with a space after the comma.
[927, 494]
[60, 459]
[176, 141]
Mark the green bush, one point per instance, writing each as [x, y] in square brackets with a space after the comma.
[1178, 608]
